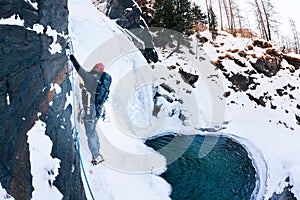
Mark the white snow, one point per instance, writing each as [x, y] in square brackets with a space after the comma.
[264, 127]
[55, 87]
[69, 100]
[54, 47]
[34, 5]
[43, 167]
[13, 20]
[4, 194]
[38, 28]
[7, 99]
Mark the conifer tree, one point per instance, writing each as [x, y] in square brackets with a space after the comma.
[200, 17]
[176, 15]
[213, 25]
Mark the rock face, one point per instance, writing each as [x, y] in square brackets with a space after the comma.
[268, 67]
[128, 15]
[27, 69]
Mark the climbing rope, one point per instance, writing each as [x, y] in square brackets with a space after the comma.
[71, 51]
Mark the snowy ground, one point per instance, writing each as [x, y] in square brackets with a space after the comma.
[273, 128]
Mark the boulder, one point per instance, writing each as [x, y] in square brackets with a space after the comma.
[128, 15]
[268, 67]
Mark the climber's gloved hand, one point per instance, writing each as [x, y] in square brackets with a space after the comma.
[72, 58]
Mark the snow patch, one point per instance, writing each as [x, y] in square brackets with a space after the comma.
[4, 194]
[55, 87]
[7, 99]
[13, 20]
[44, 168]
[54, 47]
[38, 28]
[69, 100]
[34, 5]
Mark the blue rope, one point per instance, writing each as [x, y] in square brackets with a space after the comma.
[76, 136]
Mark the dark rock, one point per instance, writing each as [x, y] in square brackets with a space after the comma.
[26, 70]
[273, 107]
[51, 13]
[238, 62]
[262, 44]
[273, 52]
[189, 78]
[298, 106]
[268, 67]
[298, 119]
[292, 61]
[203, 39]
[226, 94]
[250, 72]
[285, 195]
[292, 88]
[242, 54]
[171, 67]
[291, 96]
[128, 15]
[148, 10]
[156, 109]
[240, 82]
[220, 66]
[167, 87]
[157, 95]
[281, 92]
[259, 101]
[182, 117]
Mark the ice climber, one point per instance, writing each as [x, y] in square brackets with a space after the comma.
[94, 94]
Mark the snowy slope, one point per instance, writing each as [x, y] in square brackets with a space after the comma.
[273, 128]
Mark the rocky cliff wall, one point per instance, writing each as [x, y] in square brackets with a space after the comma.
[128, 15]
[27, 69]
